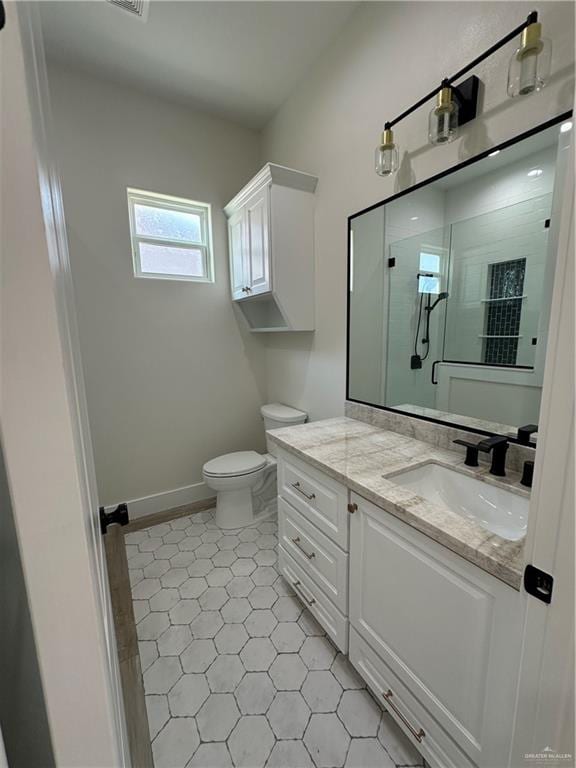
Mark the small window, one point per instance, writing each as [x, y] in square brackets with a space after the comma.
[429, 262]
[171, 237]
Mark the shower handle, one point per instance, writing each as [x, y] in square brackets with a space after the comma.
[433, 374]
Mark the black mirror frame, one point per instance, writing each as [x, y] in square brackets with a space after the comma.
[453, 169]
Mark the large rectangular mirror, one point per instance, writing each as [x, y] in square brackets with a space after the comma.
[450, 288]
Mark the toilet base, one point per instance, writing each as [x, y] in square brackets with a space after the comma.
[235, 509]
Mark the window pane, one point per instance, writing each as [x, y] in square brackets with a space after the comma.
[161, 222]
[427, 284]
[166, 260]
[429, 262]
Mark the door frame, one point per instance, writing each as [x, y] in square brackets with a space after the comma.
[22, 37]
[545, 701]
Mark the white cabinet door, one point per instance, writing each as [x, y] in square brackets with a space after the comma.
[446, 629]
[256, 212]
[237, 245]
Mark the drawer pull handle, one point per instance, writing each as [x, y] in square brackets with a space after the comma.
[309, 555]
[418, 735]
[297, 584]
[308, 496]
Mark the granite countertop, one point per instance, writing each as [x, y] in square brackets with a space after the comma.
[365, 458]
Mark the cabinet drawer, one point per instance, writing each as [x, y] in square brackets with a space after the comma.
[423, 731]
[324, 562]
[322, 500]
[323, 610]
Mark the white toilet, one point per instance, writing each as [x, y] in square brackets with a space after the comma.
[245, 481]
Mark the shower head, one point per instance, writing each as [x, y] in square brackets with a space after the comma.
[441, 297]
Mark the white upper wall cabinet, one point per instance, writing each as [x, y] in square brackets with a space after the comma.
[271, 247]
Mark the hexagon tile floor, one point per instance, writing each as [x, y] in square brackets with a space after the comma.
[236, 671]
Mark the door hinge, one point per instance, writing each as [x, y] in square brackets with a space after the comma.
[118, 516]
[352, 508]
[538, 584]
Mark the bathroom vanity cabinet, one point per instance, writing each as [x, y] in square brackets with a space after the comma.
[271, 250]
[435, 638]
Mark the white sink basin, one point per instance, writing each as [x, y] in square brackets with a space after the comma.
[494, 508]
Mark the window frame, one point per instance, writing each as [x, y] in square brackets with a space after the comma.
[171, 203]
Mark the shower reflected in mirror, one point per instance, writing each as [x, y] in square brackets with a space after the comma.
[450, 289]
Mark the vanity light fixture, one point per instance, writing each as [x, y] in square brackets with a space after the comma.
[529, 67]
[386, 157]
[443, 121]
[457, 103]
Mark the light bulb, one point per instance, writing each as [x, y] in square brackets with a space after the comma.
[530, 64]
[386, 155]
[443, 122]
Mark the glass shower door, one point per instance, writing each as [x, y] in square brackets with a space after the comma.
[498, 272]
[417, 284]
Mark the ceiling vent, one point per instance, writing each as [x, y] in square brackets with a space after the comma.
[135, 7]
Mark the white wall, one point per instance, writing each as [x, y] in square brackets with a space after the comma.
[388, 56]
[171, 376]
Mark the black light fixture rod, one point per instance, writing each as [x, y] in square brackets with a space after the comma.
[532, 18]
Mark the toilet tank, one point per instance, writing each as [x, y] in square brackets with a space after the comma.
[276, 415]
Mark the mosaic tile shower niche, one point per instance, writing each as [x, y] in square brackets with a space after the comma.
[504, 308]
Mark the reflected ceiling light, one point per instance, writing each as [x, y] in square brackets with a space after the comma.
[535, 172]
[565, 127]
[413, 218]
[529, 67]
[457, 104]
[493, 154]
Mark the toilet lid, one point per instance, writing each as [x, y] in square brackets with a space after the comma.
[234, 464]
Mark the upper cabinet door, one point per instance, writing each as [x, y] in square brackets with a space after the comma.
[238, 256]
[258, 242]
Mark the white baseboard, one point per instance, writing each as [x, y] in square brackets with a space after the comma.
[159, 502]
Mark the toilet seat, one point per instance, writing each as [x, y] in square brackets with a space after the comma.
[235, 464]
